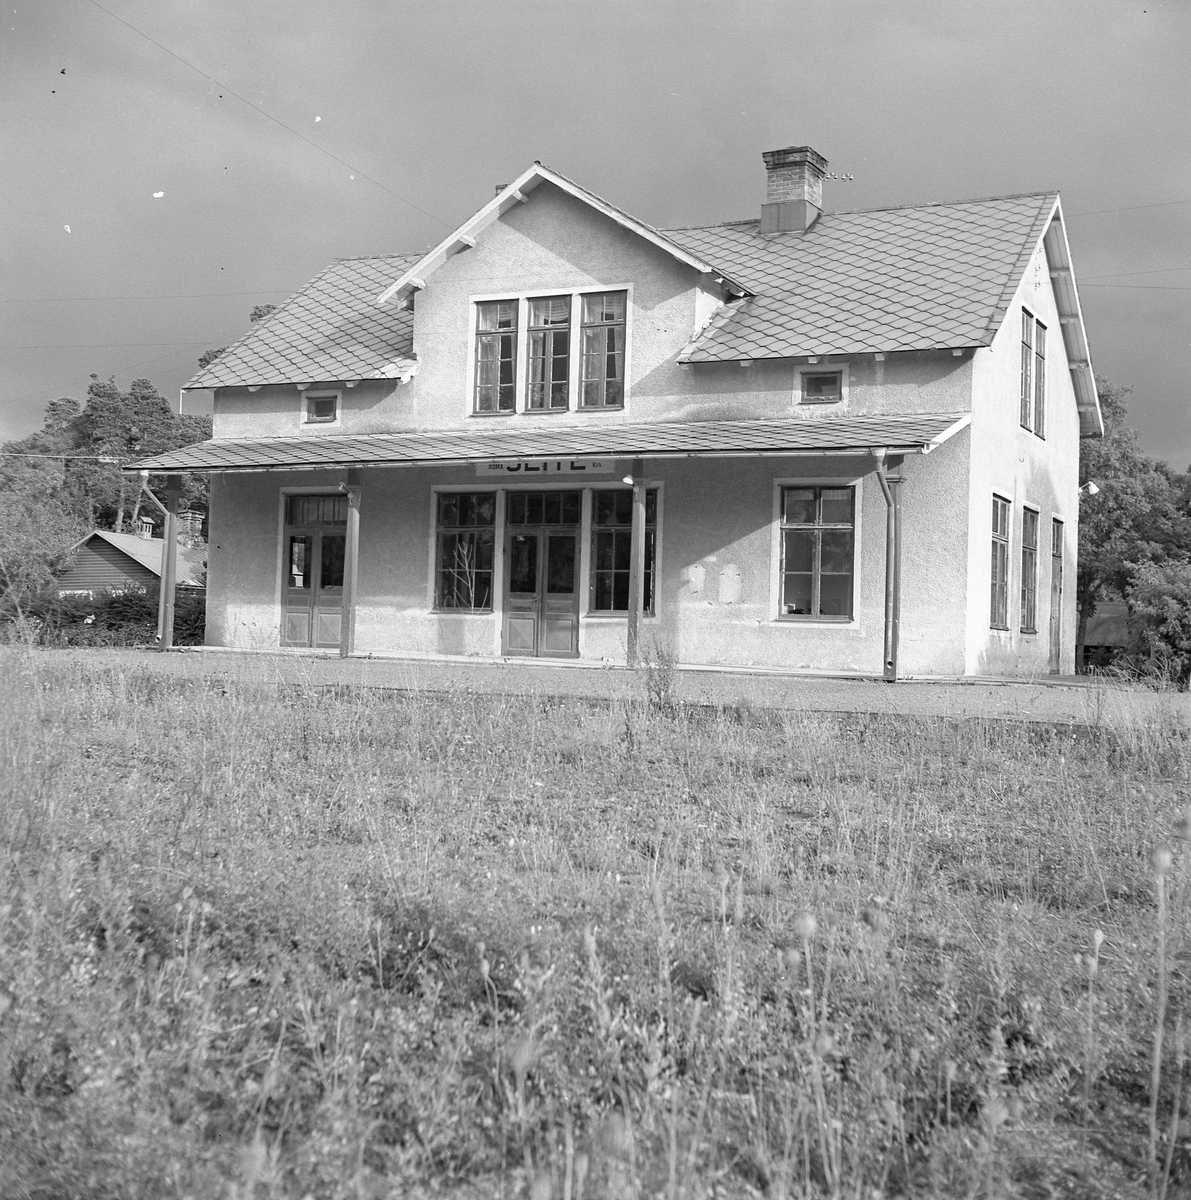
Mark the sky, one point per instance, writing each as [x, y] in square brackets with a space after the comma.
[172, 163]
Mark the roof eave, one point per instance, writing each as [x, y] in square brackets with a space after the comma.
[518, 192]
[1075, 336]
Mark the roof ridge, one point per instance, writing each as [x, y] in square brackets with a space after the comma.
[859, 212]
[378, 257]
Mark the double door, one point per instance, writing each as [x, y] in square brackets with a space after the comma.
[541, 601]
[313, 587]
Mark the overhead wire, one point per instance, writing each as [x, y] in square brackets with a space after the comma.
[264, 113]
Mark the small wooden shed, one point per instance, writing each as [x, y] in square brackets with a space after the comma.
[111, 562]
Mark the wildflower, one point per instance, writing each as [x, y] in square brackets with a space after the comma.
[1161, 860]
[1098, 940]
[1182, 826]
[805, 926]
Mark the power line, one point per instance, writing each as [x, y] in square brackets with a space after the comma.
[179, 296]
[1140, 287]
[1101, 211]
[1155, 271]
[98, 345]
[276, 120]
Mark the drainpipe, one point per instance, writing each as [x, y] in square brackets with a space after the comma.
[891, 490]
[636, 565]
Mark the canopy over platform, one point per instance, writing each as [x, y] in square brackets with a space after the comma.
[900, 434]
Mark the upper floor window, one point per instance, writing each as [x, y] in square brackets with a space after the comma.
[549, 352]
[322, 408]
[603, 350]
[1033, 374]
[818, 551]
[527, 349]
[496, 356]
[816, 384]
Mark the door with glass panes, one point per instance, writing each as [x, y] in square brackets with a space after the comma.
[314, 545]
[541, 602]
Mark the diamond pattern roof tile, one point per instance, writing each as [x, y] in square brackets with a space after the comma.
[921, 278]
[331, 329]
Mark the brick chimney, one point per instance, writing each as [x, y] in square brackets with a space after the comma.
[793, 189]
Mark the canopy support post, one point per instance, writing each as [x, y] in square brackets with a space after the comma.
[351, 561]
[169, 564]
[636, 566]
[891, 489]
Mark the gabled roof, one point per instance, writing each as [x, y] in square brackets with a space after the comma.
[518, 192]
[933, 276]
[904, 432]
[330, 330]
[148, 553]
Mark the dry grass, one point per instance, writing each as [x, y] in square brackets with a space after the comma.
[277, 941]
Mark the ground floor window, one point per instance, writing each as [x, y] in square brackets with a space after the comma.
[1029, 571]
[465, 544]
[999, 603]
[818, 532]
[611, 548]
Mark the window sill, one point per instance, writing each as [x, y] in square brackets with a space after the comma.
[797, 619]
[505, 413]
[461, 612]
[621, 615]
[600, 408]
[819, 403]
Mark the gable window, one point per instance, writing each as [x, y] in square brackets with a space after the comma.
[549, 352]
[602, 385]
[465, 541]
[1029, 570]
[611, 548]
[999, 605]
[496, 356]
[818, 531]
[544, 354]
[1033, 374]
[322, 408]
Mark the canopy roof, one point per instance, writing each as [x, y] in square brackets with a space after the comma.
[906, 433]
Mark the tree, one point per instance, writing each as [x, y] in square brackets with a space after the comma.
[65, 480]
[259, 313]
[1137, 516]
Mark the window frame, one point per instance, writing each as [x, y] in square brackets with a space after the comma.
[476, 334]
[821, 368]
[652, 555]
[311, 394]
[438, 530]
[574, 350]
[999, 546]
[778, 550]
[1032, 380]
[1028, 614]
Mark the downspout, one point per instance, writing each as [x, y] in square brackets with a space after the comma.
[891, 490]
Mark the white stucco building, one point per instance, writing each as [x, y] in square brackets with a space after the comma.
[841, 442]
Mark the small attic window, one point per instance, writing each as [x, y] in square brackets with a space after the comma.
[322, 409]
[822, 387]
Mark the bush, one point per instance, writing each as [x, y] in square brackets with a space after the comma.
[1160, 618]
[127, 617]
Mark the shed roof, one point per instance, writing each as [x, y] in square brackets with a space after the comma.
[908, 433]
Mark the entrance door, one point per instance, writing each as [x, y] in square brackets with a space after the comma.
[1056, 596]
[542, 585]
[315, 543]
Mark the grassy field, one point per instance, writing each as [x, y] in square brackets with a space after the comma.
[280, 941]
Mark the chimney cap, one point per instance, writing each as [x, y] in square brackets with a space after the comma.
[793, 155]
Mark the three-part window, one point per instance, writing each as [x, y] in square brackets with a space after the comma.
[544, 354]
